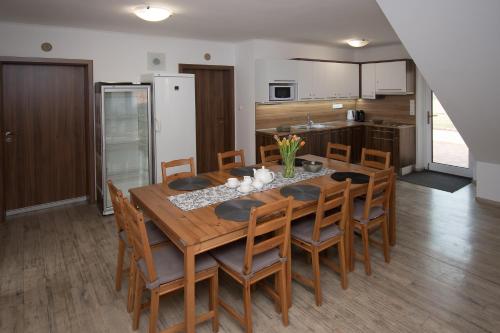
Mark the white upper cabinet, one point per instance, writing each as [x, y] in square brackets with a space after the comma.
[351, 80]
[390, 78]
[305, 80]
[272, 71]
[368, 81]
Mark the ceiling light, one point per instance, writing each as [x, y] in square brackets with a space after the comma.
[358, 42]
[152, 14]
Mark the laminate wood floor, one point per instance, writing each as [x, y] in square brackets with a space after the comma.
[57, 275]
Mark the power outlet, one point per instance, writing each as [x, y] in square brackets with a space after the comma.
[412, 107]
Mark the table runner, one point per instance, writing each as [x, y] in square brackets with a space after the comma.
[221, 193]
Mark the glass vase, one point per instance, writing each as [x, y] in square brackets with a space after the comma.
[289, 166]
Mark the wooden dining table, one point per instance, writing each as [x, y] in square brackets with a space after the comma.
[200, 230]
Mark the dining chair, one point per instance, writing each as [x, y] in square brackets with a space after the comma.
[155, 236]
[375, 159]
[177, 163]
[161, 271]
[372, 213]
[340, 152]
[259, 257]
[274, 153]
[233, 155]
[320, 231]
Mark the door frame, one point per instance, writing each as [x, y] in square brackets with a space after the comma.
[230, 70]
[439, 167]
[89, 116]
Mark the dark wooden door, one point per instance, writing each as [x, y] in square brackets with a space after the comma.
[214, 112]
[44, 123]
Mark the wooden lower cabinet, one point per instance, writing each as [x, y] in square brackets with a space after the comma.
[399, 141]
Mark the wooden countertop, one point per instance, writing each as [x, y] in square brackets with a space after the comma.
[331, 126]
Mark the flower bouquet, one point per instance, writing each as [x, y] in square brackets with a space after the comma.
[288, 148]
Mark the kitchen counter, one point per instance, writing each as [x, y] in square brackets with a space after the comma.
[333, 125]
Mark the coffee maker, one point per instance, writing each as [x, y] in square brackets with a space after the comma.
[359, 116]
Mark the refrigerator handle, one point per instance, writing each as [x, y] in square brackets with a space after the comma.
[157, 125]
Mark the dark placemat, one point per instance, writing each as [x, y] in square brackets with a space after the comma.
[242, 171]
[301, 192]
[298, 162]
[189, 184]
[236, 210]
[356, 177]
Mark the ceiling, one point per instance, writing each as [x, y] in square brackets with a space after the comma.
[329, 22]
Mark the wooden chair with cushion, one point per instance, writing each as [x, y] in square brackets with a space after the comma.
[318, 232]
[233, 156]
[375, 159]
[176, 163]
[161, 271]
[155, 236]
[340, 152]
[370, 214]
[259, 257]
[274, 154]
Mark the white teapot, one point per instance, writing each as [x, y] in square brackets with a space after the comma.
[263, 175]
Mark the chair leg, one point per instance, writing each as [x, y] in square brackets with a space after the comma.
[247, 308]
[131, 285]
[342, 263]
[213, 299]
[385, 238]
[153, 312]
[316, 276]
[281, 276]
[352, 250]
[139, 286]
[119, 264]
[277, 306]
[366, 249]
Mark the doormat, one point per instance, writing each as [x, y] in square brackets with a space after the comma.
[437, 180]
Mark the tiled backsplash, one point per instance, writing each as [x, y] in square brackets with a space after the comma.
[388, 108]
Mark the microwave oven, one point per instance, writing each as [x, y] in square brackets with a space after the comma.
[280, 92]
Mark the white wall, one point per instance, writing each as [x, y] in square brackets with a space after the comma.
[488, 181]
[453, 43]
[246, 54]
[116, 56]
[386, 52]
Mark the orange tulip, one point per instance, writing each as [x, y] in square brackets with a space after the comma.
[302, 143]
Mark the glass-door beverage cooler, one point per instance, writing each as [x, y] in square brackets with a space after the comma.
[123, 133]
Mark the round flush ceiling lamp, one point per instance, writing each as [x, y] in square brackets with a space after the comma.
[358, 42]
[152, 14]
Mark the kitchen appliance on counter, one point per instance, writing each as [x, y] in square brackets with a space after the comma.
[174, 113]
[123, 138]
[360, 116]
[351, 115]
[282, 91]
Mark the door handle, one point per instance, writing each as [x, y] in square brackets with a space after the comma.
[430, 116]
[9, 136]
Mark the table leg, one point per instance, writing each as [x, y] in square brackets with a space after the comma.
[189, 290]
[392, 213]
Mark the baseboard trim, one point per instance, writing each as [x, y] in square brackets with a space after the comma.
[488, 202]
[44, 206]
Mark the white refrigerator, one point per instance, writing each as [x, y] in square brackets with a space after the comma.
[174, 117]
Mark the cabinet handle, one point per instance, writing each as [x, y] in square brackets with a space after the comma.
[377, 138]
[390, 89]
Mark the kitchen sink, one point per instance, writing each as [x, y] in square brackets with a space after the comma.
[313, 126]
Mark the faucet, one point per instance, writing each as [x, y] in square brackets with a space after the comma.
[309, 122]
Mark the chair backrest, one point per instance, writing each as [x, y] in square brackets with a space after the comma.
[274, 155]
[375, 159]
[277, 217]
[340, 152]
[138, 236]
[117, 202]
[332, 207]
[232, 155]
[172, 164]
[379, 191]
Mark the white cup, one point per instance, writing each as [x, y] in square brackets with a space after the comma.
[233, 182]
[257, 184]
[247, 180]
[245, 188]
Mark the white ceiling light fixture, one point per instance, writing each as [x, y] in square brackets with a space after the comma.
[152, 13]
[358, 42]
